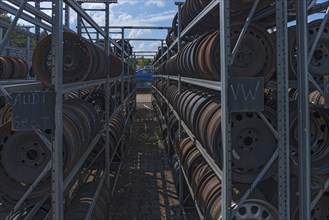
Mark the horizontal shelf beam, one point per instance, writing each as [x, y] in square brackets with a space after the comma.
[140, 39]
[208, 84]
[12, 10]
[38, 13]
[29, 8]
[80, 85]
[140, 27]
[145, 51]
[31, 85]
[28, 86]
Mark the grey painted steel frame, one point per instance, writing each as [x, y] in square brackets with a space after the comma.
[57, 74]
[198, 18]
[283, 109]
[122, 90]
[167, 80]
[57, 169]
[184, 174]
[37, 12]
[140, 27]
[303, 112]
[95, 197]
[28, 48]
[37, 28]
[210, 161]
[81, 12]
[283, 115]
[179, 44]
[33, 10]
[12, 10]
[225, 55]
[12, 25]
[107, 101]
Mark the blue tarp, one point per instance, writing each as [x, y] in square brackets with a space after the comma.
[144, 75]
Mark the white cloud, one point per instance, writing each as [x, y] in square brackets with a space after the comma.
[93, 5]
[159, 18]
[140, 47]
[73, 18]
[116, 36]
[145, 46]
[126, 19]
[121, 2]
[134, 33]
[154, 46]
[158, 3]
[166, 15]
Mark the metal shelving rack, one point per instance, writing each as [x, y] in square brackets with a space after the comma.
[55, 25]
[282, 132]
[196, 142]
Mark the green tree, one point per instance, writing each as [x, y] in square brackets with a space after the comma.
[16, 39]
[142, 62]
[4, 16]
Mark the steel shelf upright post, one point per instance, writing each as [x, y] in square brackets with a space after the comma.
[28, 47]
[161, 50]
[57, 75]
[167, 114]
[67, 16]
[167, 80]
[122, 82]
[283, 109]
[79, 22]
[107, 101]
[179, 43]
[37, 28]
[303, 112]
[325, 187]
[128, 81]
[224, 8]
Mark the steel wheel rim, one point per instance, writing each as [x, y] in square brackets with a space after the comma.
[256, 210]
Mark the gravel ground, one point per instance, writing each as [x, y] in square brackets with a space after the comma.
[145, 187]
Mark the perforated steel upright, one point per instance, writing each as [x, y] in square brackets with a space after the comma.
[283, 109]
[57, 75]
[107, 99]
[303, 113]
[225, 54]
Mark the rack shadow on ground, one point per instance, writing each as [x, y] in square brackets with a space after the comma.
[145, 189]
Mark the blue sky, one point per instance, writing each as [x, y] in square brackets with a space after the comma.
[131, 13]
[140, 13]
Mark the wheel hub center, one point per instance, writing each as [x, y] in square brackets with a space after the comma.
[248, 140]
[32, 155]
[243, 57]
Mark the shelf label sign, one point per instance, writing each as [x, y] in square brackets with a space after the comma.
[245, 94]
[326, 91]
[33, 110]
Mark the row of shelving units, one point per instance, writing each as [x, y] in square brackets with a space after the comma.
[63, 130]
[241, 96]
